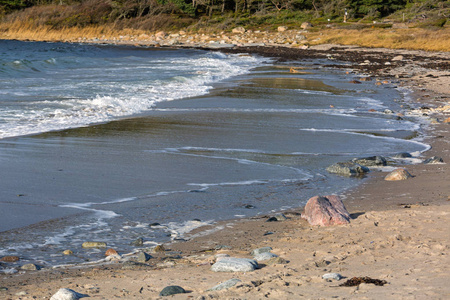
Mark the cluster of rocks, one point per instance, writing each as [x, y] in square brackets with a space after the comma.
[360, 166]
[238, 36]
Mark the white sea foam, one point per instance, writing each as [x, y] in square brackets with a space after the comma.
[179, 230]
[114, 99]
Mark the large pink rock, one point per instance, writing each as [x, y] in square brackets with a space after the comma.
[326, 211]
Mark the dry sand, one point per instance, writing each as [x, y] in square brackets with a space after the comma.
[399, 233]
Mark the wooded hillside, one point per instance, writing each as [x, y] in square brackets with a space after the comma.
[148, 14]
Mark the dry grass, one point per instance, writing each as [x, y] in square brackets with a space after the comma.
[407, 38]
[27, 31]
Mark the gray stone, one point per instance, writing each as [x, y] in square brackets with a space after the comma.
[276, 261]
[334, 276]
[172, 290]
[280, 217]
[30, 267]
[94, 245]
[131, 265]
[402, 155]
[67, 294]
[225, 285]
[433, 160]
[264, 256]
[138, 242]
[143, 257]
[232, 264]
[347, 168]
[261, 250]
[371, 161]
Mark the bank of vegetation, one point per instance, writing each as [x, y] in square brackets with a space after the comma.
[340, 21]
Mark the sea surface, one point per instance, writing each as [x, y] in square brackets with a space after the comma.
[113, 143]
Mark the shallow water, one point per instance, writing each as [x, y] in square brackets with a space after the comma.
[249, 138]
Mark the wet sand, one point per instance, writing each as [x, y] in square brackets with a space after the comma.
[399, 232]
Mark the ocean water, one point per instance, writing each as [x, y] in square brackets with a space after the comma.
[99, 143]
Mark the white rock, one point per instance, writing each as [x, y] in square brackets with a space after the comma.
[335, 276]
[235, 265]
[264, 256]
[65, 294]
[398, 58]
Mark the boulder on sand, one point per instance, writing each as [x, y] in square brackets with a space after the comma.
[398, 174]
[232, 264]
[326, 211]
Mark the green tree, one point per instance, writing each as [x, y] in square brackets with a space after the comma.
[375, 8]
[10, 5]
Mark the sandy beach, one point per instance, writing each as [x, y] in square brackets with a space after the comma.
[399, 231]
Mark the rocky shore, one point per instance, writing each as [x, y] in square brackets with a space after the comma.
[395, 245]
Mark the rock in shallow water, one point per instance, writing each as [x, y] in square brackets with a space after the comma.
[232, 264]
[138, 242]
[347, 168]
[371, 161]
[111, 251]
[31, 267]
[10, 258]
[94, 245]
[402, 155]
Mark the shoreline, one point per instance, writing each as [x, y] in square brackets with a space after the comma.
[286, 238]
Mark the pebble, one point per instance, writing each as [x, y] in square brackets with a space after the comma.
[94, 245]
[172, 290]
[225, 285]
[334, 276]
[235, 265]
